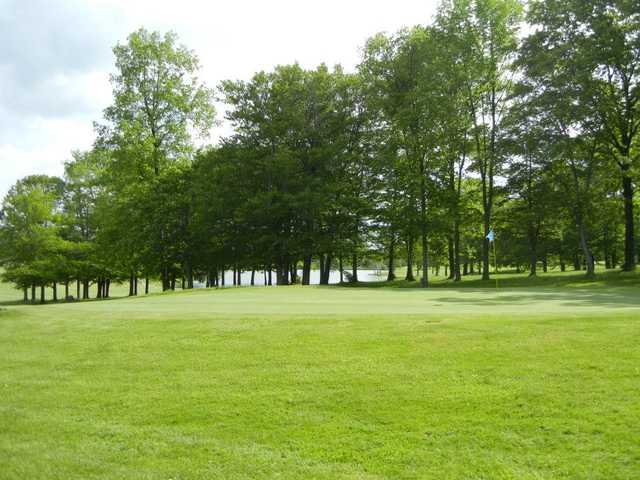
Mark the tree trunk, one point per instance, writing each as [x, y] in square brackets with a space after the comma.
[354, 268]
[165, 279]
[42, 298]
[55, 291]
[325, 268]
[629, 240]
[107, 286]
[85, 289]
[306, 270]
[424, 281]
[131, 285]
[485, 250]
[189, 274]
[25, 290]
[452, 260]
[391, 266]
[456, 252]
[606, 248]
[341, 268]
[78, 289]
[146, 285]
[33, 293]
[321, 261]
[282, 273]
[533, 249]
[66, 290]
[589, 260]
[409, 277]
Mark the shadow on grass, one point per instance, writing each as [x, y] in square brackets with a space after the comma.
[611, 289]
[512, 280]
[621, 298]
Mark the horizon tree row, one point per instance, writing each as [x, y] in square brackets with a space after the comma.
[443, 133]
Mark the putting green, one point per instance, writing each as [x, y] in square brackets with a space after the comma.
[311, 382]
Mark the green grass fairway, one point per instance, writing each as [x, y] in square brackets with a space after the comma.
[325, 383]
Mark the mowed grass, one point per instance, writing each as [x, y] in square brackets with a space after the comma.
[325, 383]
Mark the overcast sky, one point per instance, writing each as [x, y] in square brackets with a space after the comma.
[55, 57]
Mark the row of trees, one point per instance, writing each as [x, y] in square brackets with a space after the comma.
[443, 133]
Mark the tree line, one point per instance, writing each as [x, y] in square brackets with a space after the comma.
[497, 117]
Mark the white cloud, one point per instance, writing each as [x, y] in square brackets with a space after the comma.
[56, 56]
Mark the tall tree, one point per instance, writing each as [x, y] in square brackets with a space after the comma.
[158, 103]
[487, 32]
[599, 44]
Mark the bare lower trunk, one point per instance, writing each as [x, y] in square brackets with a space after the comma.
[409, 277]
[485, 250]
[456, 255]
[588, 256]
[189, 273]
[354, 268]
[629, 240]
[392, 267]
[306, 270]
[452, 260]
[424, 281]
[533, 247]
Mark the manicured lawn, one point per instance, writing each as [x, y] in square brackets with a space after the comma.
[325, 383]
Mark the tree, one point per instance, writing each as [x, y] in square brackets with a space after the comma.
[598, 43]
[401, 68]
[158, 103]
[487, 31]
[29, 242]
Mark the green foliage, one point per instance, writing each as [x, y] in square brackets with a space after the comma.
[444, 132]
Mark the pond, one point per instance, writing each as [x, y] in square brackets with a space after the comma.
[334, 277]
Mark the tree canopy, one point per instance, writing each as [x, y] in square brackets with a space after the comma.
[492, 122]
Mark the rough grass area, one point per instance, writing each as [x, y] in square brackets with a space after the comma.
[325, 383]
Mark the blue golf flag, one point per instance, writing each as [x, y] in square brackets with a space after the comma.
[490, 235]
